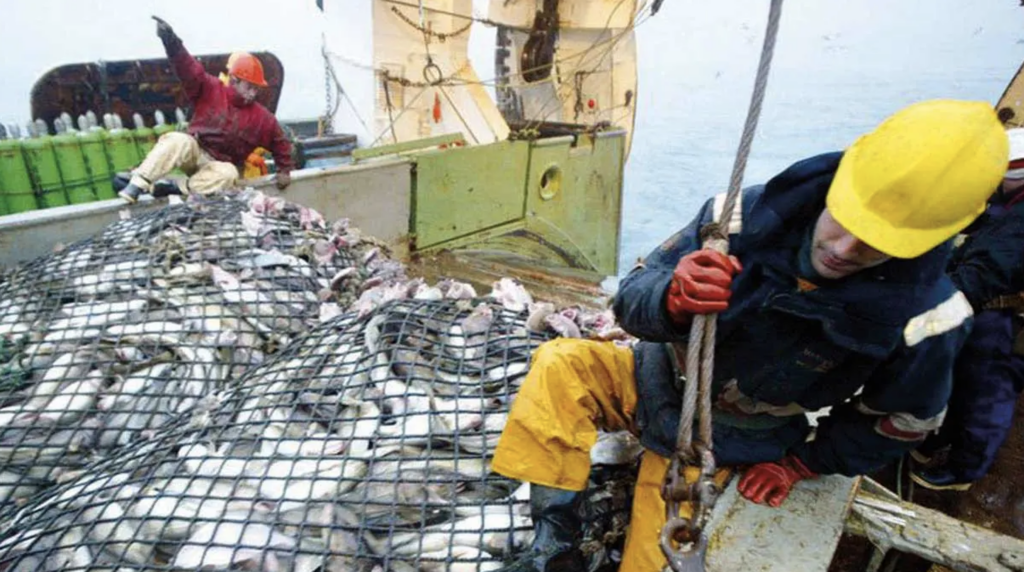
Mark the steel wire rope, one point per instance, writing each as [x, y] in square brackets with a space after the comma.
[700, 356]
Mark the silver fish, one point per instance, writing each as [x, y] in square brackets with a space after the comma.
[232, 540]
[72, 401]
[563, 326]
[511, 294]
[616, 448]
[116, 533]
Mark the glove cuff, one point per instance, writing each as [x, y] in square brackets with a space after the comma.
[793, 463]
[172, 43]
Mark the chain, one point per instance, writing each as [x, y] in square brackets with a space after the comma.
[327, 121]
[332, 78]
[683, 540]
[401, 80]
[524, 134]
[391, 107]
[577, 107]
[352, 62]
[473, 18]
[431, 67]
[441, 36]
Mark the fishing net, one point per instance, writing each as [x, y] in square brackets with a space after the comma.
[364, 445]
[108, 339]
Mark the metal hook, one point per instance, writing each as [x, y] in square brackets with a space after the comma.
[683, 559]
[432, 73]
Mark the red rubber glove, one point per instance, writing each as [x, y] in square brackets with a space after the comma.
[700, 284]
[771, 482]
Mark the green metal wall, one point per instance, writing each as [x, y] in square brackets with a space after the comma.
[556, 200]
[72, 168]
[463, 190]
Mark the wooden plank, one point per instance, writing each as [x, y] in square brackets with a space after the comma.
[934, 536]
[799, 536]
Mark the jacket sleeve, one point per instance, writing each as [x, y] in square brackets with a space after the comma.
[903, 400]
[281, 148]
[639, 303]
[192, 74]
[991, 263]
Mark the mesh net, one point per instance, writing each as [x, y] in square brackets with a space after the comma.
[364, 445]
[109, 339]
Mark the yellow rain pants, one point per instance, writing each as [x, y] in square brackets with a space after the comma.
[573, 388]
[176, 150]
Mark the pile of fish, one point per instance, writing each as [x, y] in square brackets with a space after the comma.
[364, 445]
[234, 383]
[107, 340]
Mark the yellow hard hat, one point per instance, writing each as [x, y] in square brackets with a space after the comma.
[921, 176]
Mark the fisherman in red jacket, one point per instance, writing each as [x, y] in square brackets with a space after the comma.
[227, 125]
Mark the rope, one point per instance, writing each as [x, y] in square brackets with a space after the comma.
[700, 357]
[577, 62]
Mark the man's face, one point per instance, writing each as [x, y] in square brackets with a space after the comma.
[835, 253]
[245, 89]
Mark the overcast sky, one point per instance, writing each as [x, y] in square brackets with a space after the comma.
[688, 42]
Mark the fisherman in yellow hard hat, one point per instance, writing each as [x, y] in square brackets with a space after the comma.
[835, 296]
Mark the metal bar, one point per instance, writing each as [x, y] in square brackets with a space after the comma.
[405, 147]
[478, 236]
[327, 141]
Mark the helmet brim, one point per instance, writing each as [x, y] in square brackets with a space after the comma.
[257, 84]
[883, 235]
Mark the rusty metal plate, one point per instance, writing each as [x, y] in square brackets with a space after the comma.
[133, 86]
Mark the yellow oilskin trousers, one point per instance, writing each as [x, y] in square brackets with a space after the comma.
[573, 388]
[176, 150]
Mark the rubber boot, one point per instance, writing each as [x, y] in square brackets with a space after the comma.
[940, 479]
[131, 193]
[557, 528]
[165, 188]
[121, 180]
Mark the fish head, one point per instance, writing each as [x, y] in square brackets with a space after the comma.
[223, 278]
[310, 219]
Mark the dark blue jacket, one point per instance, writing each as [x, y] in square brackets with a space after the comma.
[991, 261]
[891, 331]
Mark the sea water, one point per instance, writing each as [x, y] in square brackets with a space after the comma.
[839, 69]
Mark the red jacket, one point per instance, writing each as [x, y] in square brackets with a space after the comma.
[226, 127]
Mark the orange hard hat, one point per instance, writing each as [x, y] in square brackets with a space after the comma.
[248, 67]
